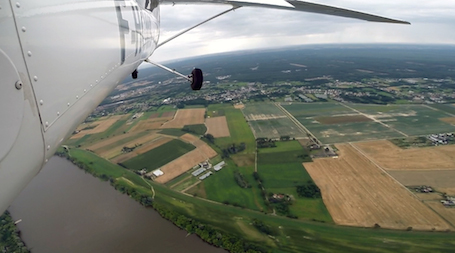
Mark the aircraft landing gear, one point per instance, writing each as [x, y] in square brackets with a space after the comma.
[196, 79]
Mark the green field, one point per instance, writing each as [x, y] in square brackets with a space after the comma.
[221, 187]
[448, 108]
[281, 170]
[238, 127]
[270, 128]
[398, 119]
[410, 119]
[159, 156]
[198, 129]
[283, 146]
[293, 235]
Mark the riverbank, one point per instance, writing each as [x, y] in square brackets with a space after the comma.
[10, 240]
[224, 225]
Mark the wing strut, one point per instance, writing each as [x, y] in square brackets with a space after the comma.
[191, 28]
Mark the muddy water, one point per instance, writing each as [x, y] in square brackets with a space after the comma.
[64, 209]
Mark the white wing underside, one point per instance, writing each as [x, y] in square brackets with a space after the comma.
[295, 6]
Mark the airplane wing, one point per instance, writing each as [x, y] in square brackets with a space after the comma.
[295, 5]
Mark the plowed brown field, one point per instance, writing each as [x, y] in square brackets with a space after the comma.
[391, 157]
[217, 127]
[186, 117]
[358, 193]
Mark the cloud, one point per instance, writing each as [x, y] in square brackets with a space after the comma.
[248, 28]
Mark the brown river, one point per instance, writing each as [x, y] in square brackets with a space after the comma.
[64, 209]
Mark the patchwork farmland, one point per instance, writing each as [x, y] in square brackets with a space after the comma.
[358, 193]
[186, 117]
[340, 123]
[96, 127]
[268, 121]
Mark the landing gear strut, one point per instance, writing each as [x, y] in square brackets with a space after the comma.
[196, 78]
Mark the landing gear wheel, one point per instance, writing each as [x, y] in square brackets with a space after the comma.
[197, 77]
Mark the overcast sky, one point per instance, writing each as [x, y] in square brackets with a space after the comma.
[433, 22]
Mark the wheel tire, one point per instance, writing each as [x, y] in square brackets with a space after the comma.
[196, 84]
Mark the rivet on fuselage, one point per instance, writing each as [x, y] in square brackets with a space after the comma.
[35, 78]
[18, 5]
[18, 85]
[41, 102]
[24, 29]
[29, 54]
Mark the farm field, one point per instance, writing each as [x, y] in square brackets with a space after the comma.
[391, 157]
[187, 161]
[238, 128]
[438, 179]
[180, 165]
[268, 121]
[159, 156]
[98, 126]
[186, 117]
[281, 170]
[409, 119]
[111, 151]
[150, 124]
[335, 123]
[140, 150]
[346, 125]
[357, 193]
[217, 126]
[205, 149]
[221, 187]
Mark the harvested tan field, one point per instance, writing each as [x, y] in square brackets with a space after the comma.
[202, 146]
[217, 127]
[239, 106]
[434, 178]
[149, 124]
[142, 149]
[446, 212]
[357, 193]
[450, 120]
[101, 126]
[108, 142]
[450, 191]
[391, 157]
[181, 165]
[117, 150]
[186, 117]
